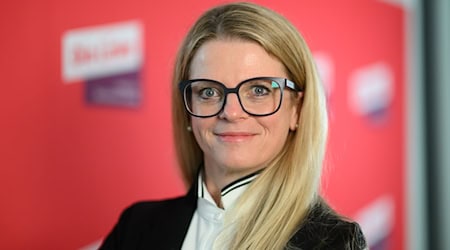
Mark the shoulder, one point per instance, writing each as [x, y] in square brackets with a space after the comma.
[325, 229]
[144, 209]
[143, 223]
[144, 213]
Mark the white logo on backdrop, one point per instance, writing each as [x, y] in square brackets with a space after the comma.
[99, 51]
[371, 89]
[377, 219]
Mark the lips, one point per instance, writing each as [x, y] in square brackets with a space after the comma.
[234, 136]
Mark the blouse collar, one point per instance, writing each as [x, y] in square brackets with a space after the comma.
[230, 193]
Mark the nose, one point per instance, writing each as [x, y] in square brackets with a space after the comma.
[232, 109]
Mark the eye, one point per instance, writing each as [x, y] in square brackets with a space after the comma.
[207, 93]
[259, 90]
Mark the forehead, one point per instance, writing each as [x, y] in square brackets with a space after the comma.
[234, 60]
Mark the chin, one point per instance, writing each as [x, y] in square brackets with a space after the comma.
[241, 167]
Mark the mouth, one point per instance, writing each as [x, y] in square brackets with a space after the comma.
[234, 136]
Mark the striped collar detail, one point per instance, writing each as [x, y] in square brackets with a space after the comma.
[230, 193]
[239, 183]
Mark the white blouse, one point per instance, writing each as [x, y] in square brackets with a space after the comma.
[208, 219]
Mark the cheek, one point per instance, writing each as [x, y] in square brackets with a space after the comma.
[276, 126]
[200, 127]
[198, 124]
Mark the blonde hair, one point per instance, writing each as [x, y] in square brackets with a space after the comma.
[274, 206]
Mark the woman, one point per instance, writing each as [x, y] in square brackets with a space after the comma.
[250, 123]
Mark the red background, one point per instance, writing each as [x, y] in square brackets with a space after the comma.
[69, 168]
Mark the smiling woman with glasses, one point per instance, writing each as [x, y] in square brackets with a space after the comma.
[250, 127]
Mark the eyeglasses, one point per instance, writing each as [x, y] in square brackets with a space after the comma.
[260, 96]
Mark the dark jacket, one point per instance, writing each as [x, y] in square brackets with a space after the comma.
[164, 224]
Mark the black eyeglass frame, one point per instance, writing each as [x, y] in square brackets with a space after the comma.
[282, 82]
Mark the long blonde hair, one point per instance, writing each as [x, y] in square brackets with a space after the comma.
[274, 206]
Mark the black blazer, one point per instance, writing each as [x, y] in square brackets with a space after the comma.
[164, 224]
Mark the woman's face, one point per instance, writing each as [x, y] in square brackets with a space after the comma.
[234, 141]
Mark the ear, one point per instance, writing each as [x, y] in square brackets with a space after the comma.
[295, 111]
